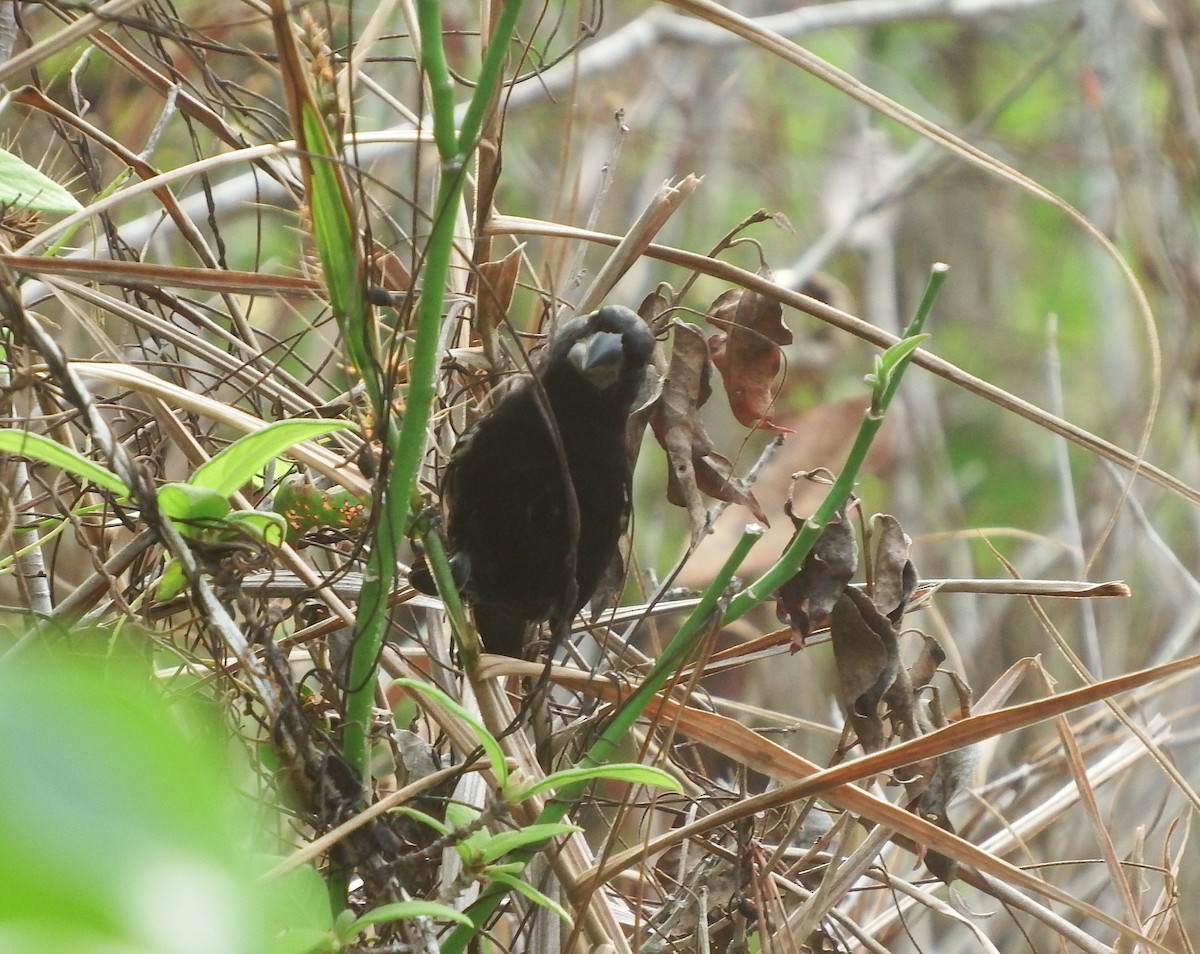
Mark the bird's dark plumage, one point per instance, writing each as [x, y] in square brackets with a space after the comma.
[505, 496]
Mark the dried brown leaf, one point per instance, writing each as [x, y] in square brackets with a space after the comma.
[952, 771]
[675, 419]
[497, 280]
[747, 352]
[807, 598]
[895, 577]
[868, 663]
[822, 439]
[694, 467]
[653, 305]
[714, 476]
[932, 656]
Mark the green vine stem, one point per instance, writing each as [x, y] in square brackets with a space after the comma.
[405, 445]
[884, 380]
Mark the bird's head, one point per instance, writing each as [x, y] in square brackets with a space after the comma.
[609, 349]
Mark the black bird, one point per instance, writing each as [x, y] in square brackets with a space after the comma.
[505, 494]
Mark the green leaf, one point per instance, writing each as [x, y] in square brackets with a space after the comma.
[23, 186]
[306, 941]
[507, 867]
[343, 925]
[491, 747]
[495, 847]
[533, 894]
[423, 817]
[630, 772]
[194, 508]
[471, 848]
[409, 909]
[307, 507]
[28, 444]
[123, 829]
[336, 239]
[238, 463]
[302, 900]
[263, 526]
[901, 350]
[459, 815]
[887, 366]
[172, 582]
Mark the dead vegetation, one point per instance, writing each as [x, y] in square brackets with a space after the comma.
[962, 724]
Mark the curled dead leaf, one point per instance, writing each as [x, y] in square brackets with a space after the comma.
[807, 598]
[654, 306]
[694, 467]
[868, 663]
[927, 663]
[497, 280]
[895, 577]
[747, 352]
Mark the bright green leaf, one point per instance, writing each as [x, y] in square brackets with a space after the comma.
[237, 464]
[527, 890]
[122, 828]
[459, 815]
[172, 582]
[343, 925]
[423, 817]
[409, 909]
[23, 186]
[888, 365]
[901, 350]
[336, 238]
[194, 508]
[301, 897]
[28, 444]
[491, 747]
[472, 846]
[264, 526]
[497, 846]
[630, 772]
[306, 941]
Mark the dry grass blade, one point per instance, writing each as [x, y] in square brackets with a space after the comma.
[86, 25]
[635, 242]
[150, 275]
[836, 784]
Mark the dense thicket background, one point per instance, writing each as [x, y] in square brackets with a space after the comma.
[1098, 101]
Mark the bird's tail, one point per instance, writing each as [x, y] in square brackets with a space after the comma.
[501, 630]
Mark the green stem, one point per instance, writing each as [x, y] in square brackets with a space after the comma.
[665, 666]
[890, 368]
[614, 734]
[406, 445]
[441, 87]
[439, 565]
[493, 63]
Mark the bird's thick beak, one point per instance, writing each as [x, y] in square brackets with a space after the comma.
[599, 357]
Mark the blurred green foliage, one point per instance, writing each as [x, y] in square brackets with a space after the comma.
[126, 825]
